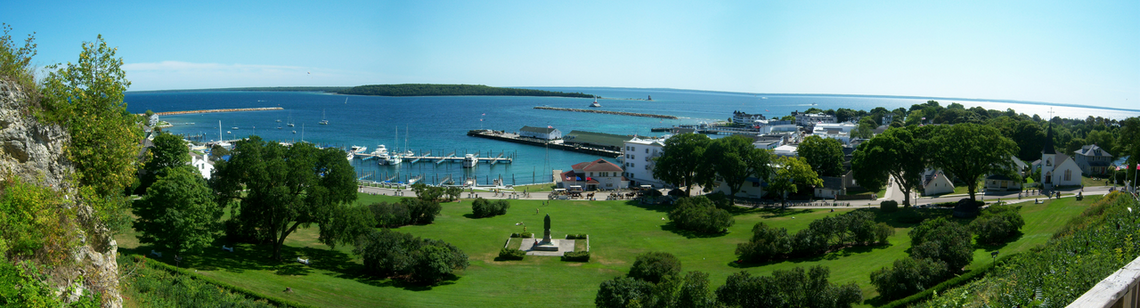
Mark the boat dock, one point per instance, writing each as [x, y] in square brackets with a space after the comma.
[552, 144]
[502, 158]
[632, 114]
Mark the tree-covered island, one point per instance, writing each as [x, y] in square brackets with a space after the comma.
[423, 89]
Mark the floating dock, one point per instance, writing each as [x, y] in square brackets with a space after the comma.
[557, 145]
[632, 114]
[441, 159]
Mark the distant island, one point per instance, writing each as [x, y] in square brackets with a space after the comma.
[417, 89]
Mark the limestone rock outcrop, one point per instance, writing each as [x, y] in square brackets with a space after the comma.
[35, 152]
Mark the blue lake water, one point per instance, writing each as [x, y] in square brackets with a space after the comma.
[440, 124]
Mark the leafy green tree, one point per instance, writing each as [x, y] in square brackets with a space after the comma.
[766, 243]
[824, 155]
[788, 288]
[169, 151]
[390, 215]
[970, 151]
[390, 253]
[695, 292]
[908, 276]
[622, 292]
[682, 162]
[699, 214]
[789, 172]
[997, 224]
[178, 212]
[735, 159]
[15, 63]
[486, 208]
[943, 240]
[217, 152]
[897, 153]
[279, 189]
[87, 99]
[865, 129]
[1129, 142]
[346, 224]
[655, 266]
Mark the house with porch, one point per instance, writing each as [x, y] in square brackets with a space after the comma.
[594, 175]
[1093, 160]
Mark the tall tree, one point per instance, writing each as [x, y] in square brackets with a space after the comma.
[1129, 143]
[896, 153]
[681, 161]
[279, 189]
[168, 151]
[824, 155]
[735, 159]
[87, 99]
[866, 128]
[789, 172]
[970, 151]
[178, 212]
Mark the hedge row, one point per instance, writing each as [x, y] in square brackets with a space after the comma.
[232, 288]
[579, 256]
[511, 254]
[581, 236]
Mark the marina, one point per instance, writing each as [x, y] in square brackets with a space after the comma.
[632, 114]
[552, 144]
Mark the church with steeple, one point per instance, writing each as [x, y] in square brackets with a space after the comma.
[1057, 169]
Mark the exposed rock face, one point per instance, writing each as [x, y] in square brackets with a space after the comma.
[35, 152]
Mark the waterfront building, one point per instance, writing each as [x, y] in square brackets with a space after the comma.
[837, 131]
[809, 119]
[740, 117]
[1057, 169]
[594, 175]
[637, 159]
[1093, 160]
[595, 140]
[547, 133]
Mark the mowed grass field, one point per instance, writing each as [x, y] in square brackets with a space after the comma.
[619, 231]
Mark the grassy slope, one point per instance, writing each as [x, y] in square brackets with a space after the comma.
[618, 232]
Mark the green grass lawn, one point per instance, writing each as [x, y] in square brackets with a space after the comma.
[535, 187]
[1090, 182]
[618, 232]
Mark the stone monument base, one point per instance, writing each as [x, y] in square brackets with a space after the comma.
[556, 247]
[545, 246]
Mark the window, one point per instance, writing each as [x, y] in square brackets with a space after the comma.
[1068, 175]
[632, 165]
[646, 150]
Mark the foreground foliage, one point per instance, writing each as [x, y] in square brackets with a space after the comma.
[788, 288]
[1091, 247]
[939, 247]
[153, 284]
[178, 212]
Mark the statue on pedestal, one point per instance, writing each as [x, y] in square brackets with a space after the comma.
[546, 229]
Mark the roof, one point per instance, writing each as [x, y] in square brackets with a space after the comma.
[540, 130]
[1092, 150]
[596, 139]
[600, 165]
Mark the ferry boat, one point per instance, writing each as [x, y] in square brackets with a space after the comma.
[595, 104]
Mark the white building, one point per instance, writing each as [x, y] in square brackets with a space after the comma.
[739, 117]
[202, 163]
[935, 182]
[637, 160]
[838, 131]
[1056, 169]
[595, 175]
[786, 150]
[548, 133]
[809, 119]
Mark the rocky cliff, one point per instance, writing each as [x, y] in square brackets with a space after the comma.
[35, 152]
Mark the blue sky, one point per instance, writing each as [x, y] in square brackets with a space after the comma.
[1069, 52]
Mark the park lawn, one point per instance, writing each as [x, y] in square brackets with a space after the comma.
[1090, 182]
[618, 230]
[534, 187]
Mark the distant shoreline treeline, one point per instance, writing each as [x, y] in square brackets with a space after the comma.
[414, 89]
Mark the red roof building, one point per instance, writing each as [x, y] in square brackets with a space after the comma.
[594, 175]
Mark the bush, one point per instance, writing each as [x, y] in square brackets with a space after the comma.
[486, 208]
[766, 244]
[945, 240]
[579, 256]
[390, 215]
[787, 288]
[622, 292]
[908, 276]
[390, 253]
[889, 206]
[581, 236]
[698, 214]
[883, 232]
[522, 235]
[997, 224]
[655, 266]
[511, 254]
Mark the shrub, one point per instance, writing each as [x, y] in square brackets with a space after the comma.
[655, 266]
[486, 208]
[889, 206]
[698, 214]
[766, 244]
[390, 215]
[579, 256]
[945, 240]
[511, 254]
[522, 235]
[883, 232]
[787, 288]
[387, 253]
[997, 224]
[907, 276]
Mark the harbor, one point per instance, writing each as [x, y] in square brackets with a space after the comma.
[550, 144]
[215, 110]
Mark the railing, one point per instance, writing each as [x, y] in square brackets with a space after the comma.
[1119, 290]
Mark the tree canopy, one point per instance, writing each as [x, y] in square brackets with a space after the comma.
[178, 212]
[682, 162]
[279, 189]
[168, 151]
[970, 151]
[897, 153]
[824, 155]
[735, 159]
[790, 172]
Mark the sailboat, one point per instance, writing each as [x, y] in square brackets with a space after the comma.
[391, 158]
[323, 120]
[221, 142]
[291, 119]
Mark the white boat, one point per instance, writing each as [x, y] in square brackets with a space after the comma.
[290, 119]
[595, 104]
[351, 155]
[323, 120]
[469, 161]
[234, 128]
[358, 149]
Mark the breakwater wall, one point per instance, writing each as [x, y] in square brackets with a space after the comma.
[217, 110]
[509, 137]
[632, 114]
